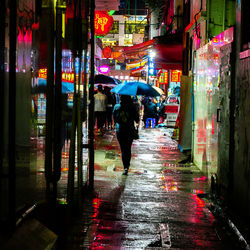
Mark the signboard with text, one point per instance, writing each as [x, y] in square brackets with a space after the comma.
[176, 75]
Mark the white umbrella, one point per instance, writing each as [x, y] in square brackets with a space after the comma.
[159, 90]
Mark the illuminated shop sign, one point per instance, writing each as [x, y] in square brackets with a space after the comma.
[163, 77]
[103, 23]
[66, 77]
[151, 66]
[42, 73]
[176, 75]
[104, 69]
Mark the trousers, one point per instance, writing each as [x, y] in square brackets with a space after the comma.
[125, 145]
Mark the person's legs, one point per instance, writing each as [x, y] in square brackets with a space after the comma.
[125, 145]
[99, 122]
[156, 120]
[102, 119]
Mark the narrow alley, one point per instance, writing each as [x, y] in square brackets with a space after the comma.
[156, 206]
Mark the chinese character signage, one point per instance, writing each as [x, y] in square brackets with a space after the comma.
[103, 23]
[163, 77]
[176, 75]
[66, 77]
[151, 66]
[42, 73]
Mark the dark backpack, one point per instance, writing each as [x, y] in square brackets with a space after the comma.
[123, 117]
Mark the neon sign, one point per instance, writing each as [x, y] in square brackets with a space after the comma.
[42, 73]
[104, 69]
[66, 77]
[175, 75]
[103, 23]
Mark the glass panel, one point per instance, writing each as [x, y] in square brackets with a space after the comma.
[206, 96]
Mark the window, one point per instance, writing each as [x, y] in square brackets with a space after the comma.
[134, 28]
[115, 28]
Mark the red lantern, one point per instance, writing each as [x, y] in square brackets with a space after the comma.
[107, 52]
[103, 23]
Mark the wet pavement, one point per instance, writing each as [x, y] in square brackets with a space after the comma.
[157, 206]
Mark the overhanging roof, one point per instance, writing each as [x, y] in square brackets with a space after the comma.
[169, 51]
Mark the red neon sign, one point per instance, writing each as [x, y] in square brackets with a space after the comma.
[42, 73]
[103, 23]
[175, 75]
[163, 79]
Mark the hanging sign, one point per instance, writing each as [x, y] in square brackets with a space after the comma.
[107, 52]
[151, 67]
[175, 75]
[163, 77]
[103, 23]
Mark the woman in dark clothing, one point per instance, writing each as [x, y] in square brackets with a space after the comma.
[125, 115]
[109, 108]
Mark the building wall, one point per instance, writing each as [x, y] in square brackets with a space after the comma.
[241, 194]
[207, 94]
[223, 118]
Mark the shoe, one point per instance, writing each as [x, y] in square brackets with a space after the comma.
[125, 171]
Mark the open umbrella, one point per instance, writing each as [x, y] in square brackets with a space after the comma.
[105, 81]
[159, 90]
[135, 88]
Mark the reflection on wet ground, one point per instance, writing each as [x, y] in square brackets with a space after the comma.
[156, 206]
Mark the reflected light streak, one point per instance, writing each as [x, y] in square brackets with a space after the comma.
[202, 178]
[199, 202]
[96, 205]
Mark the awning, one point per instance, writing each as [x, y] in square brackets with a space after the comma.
[169, 51]
[141, 47]
[137, 72]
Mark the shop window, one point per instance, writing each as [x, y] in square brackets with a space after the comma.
[115, 28]
[134, 28]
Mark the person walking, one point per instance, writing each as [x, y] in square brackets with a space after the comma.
[150, 111]
[110, 106]
[125, 116]
[101, 101]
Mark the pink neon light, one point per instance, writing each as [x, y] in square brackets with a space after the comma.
[104, 69]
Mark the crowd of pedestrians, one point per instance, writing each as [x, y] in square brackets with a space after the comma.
[125, 115]
[149, 109]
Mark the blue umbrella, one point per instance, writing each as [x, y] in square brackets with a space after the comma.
[135, 88]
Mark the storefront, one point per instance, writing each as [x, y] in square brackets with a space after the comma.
[206, 99]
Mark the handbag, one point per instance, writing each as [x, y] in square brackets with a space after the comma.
[135, 133]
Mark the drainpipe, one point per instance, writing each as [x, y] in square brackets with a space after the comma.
[91, 97]
[12, 115]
